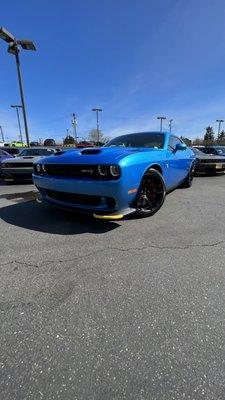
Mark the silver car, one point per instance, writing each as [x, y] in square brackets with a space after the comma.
[21, 167]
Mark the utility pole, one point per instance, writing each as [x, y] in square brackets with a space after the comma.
[170, 124]
[18, 118]
[220, 121]
[74, 125]
[2, 133]
[97, 110]
[161, 120]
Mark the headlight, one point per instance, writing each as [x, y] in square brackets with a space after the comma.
[39, 167]
[114, 170]
[44, 168]
[102, 169]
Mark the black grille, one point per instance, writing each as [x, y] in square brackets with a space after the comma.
[73, 198]
[17, 165]
[213, 161]
[68, 170]
[89, 171]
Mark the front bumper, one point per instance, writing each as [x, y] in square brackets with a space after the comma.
[210, 167]
[16, 174]
[102, 198]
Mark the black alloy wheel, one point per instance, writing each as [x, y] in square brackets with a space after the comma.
[151, 194]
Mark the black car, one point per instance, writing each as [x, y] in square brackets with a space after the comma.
[34, 144]
[13, 151]
[208, 163]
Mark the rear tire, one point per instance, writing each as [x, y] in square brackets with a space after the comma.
[189, 179]
[151, 194]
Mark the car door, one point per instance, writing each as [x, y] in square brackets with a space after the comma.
[179, 161]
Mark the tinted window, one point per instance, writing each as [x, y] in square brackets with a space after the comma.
[210, 150]
[173, 141]
[36, 152]
[12, 150]
[149, 140]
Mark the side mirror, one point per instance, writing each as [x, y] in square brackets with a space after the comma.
[180, 146]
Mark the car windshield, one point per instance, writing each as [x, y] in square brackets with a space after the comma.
[36, 152]
[197, 151]
[149, 140]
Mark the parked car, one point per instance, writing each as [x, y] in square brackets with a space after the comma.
[216, 150]
[49, 142]
[13, 151]
[21, 167]
[132, 173]
[34, 144]
[17, 144]
[3, 156]
[208, 163]
[84, 144]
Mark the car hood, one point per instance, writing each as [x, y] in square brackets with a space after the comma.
[102, 155]
[24, 159]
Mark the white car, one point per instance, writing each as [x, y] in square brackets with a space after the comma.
[21, 167]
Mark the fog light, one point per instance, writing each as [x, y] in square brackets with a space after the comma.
[102, 169]
[114, 170]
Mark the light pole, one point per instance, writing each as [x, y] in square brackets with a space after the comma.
[170, 124]
[161, 120]
[2, 133]
[16, 106]
[97, 110]
[14, 48]
[74, 125]
[220, 121]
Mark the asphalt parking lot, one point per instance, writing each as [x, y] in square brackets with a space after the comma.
[133, 309]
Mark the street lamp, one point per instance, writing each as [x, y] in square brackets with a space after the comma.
[161, 120]
[14, 48]
[170, 124]
[97, 110]
[220, 121]
[16, 106]
[74, 125]
[2, 133]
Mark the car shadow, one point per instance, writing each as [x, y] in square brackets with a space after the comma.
[28, 214]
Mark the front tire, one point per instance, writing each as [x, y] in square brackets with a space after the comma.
[151, 194]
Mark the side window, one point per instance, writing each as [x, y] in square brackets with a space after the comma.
[173, 141]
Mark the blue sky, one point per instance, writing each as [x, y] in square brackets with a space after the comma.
[136, 59]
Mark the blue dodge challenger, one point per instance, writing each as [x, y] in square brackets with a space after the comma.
[130, 174]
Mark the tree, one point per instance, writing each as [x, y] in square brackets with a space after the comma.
[93, 136]
[187, 141]
[69, 140]
[197, 142]
[209, 135]
[221, 136]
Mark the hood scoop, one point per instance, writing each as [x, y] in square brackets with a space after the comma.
[91, 151]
